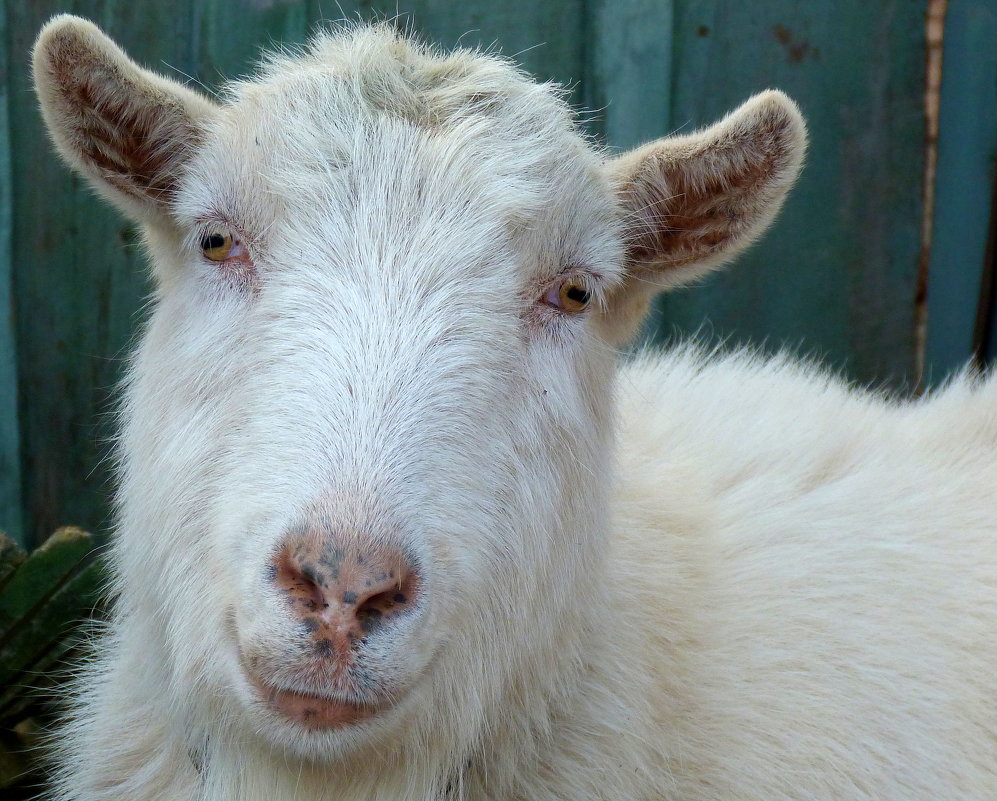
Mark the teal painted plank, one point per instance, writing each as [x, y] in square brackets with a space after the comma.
[967, 167]
[836, 275]
[544, 37]
[79, 279]
[80, 275]
[629, 77]
[10, 447]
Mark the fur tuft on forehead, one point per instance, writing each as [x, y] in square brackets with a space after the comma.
[382, 71]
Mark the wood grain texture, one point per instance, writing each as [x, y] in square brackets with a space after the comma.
[836, 275]
[78, 278]
[628, 78]
[10, 446]
[965, 189]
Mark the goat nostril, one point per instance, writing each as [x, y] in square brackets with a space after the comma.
[345, 600]
[382, 603]
[301, 585]
[378, 607]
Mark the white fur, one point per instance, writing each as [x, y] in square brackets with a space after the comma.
[779, 588]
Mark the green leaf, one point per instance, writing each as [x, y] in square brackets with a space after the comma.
[27, 659]
[40, 575]
[12, 556]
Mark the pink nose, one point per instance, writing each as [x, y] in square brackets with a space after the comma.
[341, 593]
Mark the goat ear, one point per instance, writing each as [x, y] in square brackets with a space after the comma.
[693, 202]
[128, 130]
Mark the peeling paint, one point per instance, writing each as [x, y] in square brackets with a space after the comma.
[796, 49]
[934, 40]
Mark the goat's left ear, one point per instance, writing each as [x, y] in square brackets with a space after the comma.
[128, 130]
[691, 203]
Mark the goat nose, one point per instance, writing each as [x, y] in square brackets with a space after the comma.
[343, 592]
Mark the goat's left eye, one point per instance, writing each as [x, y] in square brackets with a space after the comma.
[219, 245]
[569, 296]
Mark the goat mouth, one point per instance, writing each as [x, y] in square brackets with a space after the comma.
[314, 711]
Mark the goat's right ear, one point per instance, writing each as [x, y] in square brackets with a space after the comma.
[691, 203]
[128, 130]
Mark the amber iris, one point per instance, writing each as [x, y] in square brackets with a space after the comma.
[217, 245]
[573, 297]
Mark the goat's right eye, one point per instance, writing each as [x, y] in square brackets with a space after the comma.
[569, 295]
[219, 245]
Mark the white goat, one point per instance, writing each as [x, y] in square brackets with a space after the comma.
[373, 541]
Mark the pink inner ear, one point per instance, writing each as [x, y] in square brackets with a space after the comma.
[705, 196]
[687, 212]
[132, 135]
[134, 144]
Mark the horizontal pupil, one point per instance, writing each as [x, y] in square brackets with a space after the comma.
[212, 241]
[578, 295]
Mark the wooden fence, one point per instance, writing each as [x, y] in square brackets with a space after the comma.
[842, 275]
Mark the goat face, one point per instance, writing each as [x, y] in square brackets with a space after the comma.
[366, 434]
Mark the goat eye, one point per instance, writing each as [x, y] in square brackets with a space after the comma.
[219, 245]
[569, 296]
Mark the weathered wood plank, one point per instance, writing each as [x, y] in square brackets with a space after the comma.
[10, 447]
[79, 279]
[80, 276]
[545, 38]
[628, 77]
[836, 275]
[967, 168]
